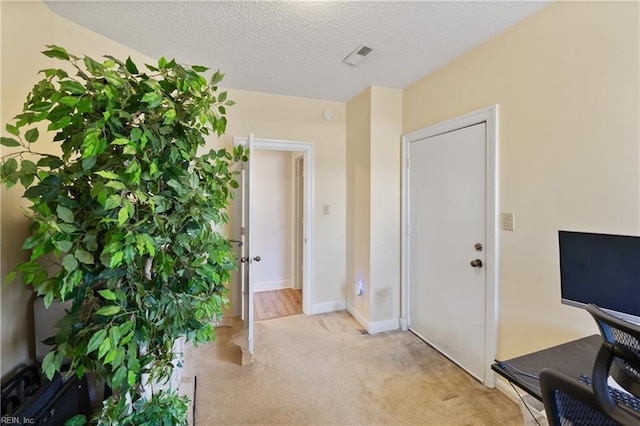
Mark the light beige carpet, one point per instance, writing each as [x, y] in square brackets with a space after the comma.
[324, 370]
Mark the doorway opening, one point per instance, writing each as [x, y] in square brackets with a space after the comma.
[278, 223]
[281, 231]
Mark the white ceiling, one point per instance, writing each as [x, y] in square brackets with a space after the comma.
[297, 47]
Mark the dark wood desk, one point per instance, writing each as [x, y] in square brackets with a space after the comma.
[573, 359]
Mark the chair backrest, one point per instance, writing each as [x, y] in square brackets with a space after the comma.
[625, 337]
[619, 356]
[569, 402]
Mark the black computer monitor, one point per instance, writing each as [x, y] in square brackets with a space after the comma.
[601, 269]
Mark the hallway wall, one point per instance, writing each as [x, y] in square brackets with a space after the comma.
[272, 233]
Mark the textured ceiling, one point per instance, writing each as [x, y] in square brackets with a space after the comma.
[297, 47]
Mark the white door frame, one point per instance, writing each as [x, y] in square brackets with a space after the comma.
[488, 115]
[298, 189]
[307, 150]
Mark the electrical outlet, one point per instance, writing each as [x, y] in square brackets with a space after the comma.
[508, 223]
[358, 288]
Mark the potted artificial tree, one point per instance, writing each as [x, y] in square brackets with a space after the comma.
[126, 214]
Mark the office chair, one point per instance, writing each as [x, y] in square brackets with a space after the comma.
[569, 402]
[619, 356]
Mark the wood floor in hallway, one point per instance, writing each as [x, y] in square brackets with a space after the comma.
[277, 303]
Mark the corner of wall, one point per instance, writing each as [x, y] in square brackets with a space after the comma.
[323, 308]
[374, 327]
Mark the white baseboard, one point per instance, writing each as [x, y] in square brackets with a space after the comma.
[373, 327]
[358, 317]
[323, 308]
[382, 326]
[504, 387]
[271, 285]
[404, 324]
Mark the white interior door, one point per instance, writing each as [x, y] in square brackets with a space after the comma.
[447, 244]
[246, 338]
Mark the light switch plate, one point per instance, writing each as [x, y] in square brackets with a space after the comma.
[508, 223]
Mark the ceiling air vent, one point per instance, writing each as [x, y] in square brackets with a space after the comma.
[358, 55]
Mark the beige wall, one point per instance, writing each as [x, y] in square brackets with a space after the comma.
[374, 128]
[567, 82]
[15, 82]
[272, 234]
[386, 130]
[358, 130]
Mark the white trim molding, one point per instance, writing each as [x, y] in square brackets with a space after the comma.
[373, 327]
[384, 326]
[271, 285]
[488, 115]
[326, 307]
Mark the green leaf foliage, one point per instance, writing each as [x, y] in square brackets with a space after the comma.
[12, 129]
[129, 212]
[10, 142]
[32, 135]
[65, 213]
[131, 67]
[96, 340]
[165, 408]
[70, 263]
[57, 52]
[84, 256]
[108, 310]
[107, 294]
[77, 420]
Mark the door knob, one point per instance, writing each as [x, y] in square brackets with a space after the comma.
[257, 258]
[246, 259]
[476, 263]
